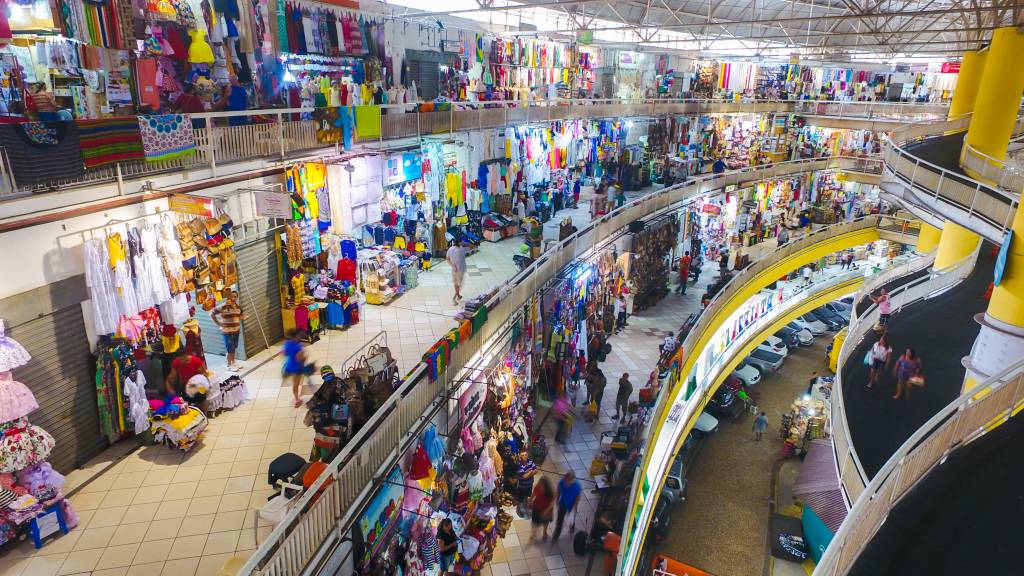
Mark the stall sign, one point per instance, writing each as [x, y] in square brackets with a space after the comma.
[628, 60]
[712, 209]
[472, 400]
[118, 92]
[950, 67]
[273, 204]
[451, 158]
[190, 205]
[403, 168]
[382, 514]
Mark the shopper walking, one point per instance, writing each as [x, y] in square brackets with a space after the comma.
[878, 357]
[907, 368]
[622, 397]
[684, 272]
[228, 317]
[295, 366]
[569, 490]
[562, 412]
[542, 508]
[578, 373]
[760, 425]
[456, 257]
[884, 308]
[598, 386]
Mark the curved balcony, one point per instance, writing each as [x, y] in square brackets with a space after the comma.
[895, 527]
[316, 522]
[868, 425]
[924, 173]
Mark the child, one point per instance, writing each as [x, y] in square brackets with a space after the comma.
[295, 365]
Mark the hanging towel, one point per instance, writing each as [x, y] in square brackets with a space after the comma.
[166, 136]
[110, 140]
[41, 152]
[367, 121]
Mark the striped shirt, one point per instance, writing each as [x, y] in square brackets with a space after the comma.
[229, 318]
[44, 102]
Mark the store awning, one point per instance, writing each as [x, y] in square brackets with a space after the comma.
[819, 470]
[818, 485]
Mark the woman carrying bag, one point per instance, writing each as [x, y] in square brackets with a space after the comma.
[907, 373]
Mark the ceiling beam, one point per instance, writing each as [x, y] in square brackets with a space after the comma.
[796, 36]
[801, 19]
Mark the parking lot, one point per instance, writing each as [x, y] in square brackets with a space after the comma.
[722, 526]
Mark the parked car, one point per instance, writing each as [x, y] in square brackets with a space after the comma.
[802, 327]
[766, 362]
[776, 345]
[660, 520]
[803, 335]
[747, 374]
[839, 309]
[829, 318]
[675, 482]
[706, 425]
[788, 335]
[812, 323]
[724, 403]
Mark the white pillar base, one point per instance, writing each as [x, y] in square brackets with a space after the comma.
[998, 346]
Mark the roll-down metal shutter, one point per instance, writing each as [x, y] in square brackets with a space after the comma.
[62, 375]
[425, 69]
[259, 296]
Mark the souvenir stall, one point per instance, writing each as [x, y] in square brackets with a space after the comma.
[31, 498]
[650, 263]
[816, 141]
[805, 421]
[147, 280]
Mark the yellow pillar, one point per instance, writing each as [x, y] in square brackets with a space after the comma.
[928, 238]
[998, 100]
[967, 83]
[955, 244]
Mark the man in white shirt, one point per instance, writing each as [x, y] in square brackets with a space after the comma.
[456, 257]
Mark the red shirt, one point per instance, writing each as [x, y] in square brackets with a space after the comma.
[190, 104]
[684, 265]
[542, 498]
[187, 366]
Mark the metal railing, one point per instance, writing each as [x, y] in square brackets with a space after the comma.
[277, 134]
[993, 206]
[965, 419]
[315, 520]
[852, 476]
[881, 110]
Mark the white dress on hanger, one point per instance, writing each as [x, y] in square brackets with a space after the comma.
[101, 287]
[138, 406]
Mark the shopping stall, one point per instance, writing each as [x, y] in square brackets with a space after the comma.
[32, 501]
[806, 420]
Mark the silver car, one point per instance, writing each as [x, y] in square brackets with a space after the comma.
[766, 362]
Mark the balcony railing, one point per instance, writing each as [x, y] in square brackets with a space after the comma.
[880, 110]
[965, 419]
[318, 521]
[1007, 177]
[278, 134]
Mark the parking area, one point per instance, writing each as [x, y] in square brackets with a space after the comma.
[722, 525]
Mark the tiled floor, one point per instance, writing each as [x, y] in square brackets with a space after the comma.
[155, 511]
[634, 351]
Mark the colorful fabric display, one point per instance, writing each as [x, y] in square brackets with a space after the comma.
[40, 152]
[328, 125]
[110, 140]
[367, 121]
[166, 136]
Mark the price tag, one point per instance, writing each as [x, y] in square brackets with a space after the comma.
[47, 524]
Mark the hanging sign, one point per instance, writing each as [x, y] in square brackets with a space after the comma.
[628, 60]
[190, 205]
[950, 67]
[472, 400]
[712, 209]
[273, 204]
[1004, 252]
[403, 168]
[377, 523]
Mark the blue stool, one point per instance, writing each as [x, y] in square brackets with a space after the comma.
[48, 523]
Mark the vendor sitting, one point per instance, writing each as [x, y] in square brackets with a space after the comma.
[183, 381]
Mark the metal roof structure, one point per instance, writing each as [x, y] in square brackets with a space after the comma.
[837, 30]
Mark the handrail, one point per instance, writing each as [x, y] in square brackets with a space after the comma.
[296, 540]
[279, 133]
[876, 281]
[683, 410]
[992, 205]
[956, 425]
[853, 478]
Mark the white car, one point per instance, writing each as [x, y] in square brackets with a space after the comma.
[748, 374]
[817, 327]
[776, 345]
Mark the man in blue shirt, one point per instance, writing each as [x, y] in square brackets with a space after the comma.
[569, 490]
